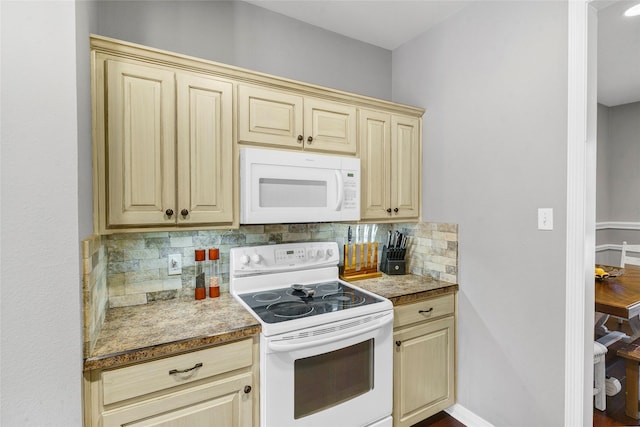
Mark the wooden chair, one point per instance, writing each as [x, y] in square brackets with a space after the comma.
[625, 258]
[599, 376]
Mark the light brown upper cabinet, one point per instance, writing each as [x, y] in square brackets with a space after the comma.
[390, 152]
[287, 120]
[164, 146]
[167, 128]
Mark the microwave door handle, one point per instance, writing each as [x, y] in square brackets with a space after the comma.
[340, 182]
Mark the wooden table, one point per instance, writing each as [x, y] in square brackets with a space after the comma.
[620, 296]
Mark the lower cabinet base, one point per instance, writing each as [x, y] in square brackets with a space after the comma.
[424, 364]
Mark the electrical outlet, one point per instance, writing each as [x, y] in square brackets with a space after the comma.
[545, 218]
[174, 264]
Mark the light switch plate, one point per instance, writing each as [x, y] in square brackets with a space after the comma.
[174, 264]
[545, 218]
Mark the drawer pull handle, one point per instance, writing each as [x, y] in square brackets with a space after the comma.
[247, 389]
[184, 371]
[426, 311]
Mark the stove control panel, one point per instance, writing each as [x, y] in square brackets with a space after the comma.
[283, 257]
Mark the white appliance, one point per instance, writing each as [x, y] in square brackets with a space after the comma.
[326, 356]
[295, 187]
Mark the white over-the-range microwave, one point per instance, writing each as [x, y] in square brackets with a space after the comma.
[296, 187]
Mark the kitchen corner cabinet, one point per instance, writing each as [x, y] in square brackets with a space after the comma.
[164, 145]
[424, 359]
[208, 387]
[391, 158]
[281, 119]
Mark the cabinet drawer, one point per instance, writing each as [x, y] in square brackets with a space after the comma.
[423, 310]
[138, 380]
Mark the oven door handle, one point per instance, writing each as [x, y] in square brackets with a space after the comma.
[281, 346]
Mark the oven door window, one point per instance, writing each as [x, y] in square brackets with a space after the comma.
[328, 379]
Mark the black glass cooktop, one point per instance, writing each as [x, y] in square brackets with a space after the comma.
[298, 301]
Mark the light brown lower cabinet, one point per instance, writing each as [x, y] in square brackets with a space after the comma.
[424, 359]
[214, 386]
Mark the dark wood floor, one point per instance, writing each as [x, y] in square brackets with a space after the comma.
[441, 419]
[614, 414]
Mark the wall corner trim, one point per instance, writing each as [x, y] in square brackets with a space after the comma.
[618, 225]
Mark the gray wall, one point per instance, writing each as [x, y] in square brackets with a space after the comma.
[41, 339]
[603, 183]
[618, 178]
[495, 135]
[619, 163]
[247, 36]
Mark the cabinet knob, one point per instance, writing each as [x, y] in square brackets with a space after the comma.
[310, 139]
[247, 389]
[184, 212]
[396, 210]
[169, 212]
[398, 343]
[388, 210]
[300, 138]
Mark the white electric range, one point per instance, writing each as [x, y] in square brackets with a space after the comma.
[326, 345]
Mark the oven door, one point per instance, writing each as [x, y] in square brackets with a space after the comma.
[335, 374]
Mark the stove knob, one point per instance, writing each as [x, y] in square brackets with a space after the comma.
[320, 253]
[310, 254]
[244, 259]
[256, 258]
[329, 253]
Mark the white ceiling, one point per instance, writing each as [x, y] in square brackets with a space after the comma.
[618, 54]
[383, 23]
[391, 23]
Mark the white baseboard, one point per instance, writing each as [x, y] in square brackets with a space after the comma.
[609, 247]
[467, 417]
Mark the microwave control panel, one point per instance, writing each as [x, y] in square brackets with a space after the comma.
[351, 189]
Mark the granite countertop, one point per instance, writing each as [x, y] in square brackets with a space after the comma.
[405, 289]
[163, 328]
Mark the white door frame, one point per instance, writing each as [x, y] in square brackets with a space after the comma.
[580, 251]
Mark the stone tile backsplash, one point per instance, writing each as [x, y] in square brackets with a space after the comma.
[432, 250]
[94, 288]
[132, 268]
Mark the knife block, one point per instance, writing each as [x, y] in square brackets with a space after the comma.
[360, 261]
[393, 261]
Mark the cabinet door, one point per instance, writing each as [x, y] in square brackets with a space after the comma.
[423, 366]
[375, 147]
[225, 403]
[268, 117]
[405, 167]
[140, 144]
[205, 144]
[329, 126]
